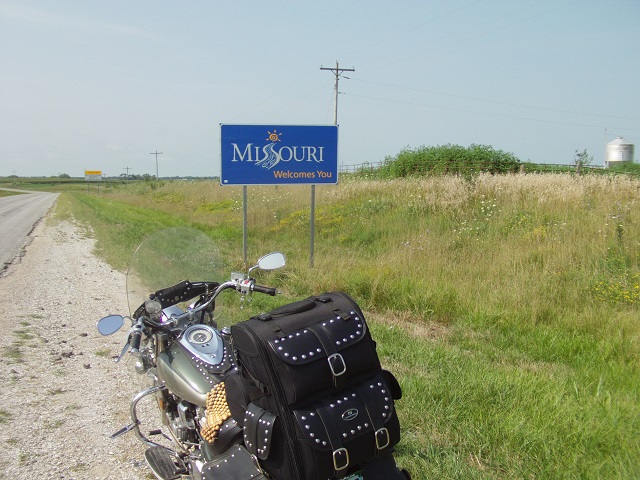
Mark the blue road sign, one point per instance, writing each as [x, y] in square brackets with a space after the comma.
[278, 154]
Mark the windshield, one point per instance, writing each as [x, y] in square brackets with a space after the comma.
[170, 256]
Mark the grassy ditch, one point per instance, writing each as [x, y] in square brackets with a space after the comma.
[506, 304]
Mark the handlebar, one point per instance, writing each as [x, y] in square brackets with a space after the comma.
[134, 342]
[183, 291]
[267, 290]
[244, 286]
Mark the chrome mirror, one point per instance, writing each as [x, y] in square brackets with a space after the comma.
[110, 325]
[272, 261]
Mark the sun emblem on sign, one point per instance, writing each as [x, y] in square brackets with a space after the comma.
[274, 137]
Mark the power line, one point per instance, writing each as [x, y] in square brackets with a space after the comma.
[404, 32]
[497, 102]
[485, 113]
[485, 32]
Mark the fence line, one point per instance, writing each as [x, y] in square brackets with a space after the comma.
[524, 167]
[366, 166]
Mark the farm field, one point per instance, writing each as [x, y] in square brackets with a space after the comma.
[506, 305]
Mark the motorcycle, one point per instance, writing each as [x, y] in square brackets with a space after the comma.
[179, 346]
[184, 352]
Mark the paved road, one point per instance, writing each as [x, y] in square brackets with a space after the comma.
[18, 215]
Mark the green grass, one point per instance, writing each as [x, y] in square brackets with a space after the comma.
[506, 305]
[4, 416]
[5, 193]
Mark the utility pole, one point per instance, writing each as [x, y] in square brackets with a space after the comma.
[156, 153]
[127, 169]
[337, 72]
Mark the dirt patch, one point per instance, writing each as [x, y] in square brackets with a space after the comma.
[62, 394]
[424, 329]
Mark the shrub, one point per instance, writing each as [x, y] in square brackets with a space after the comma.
[452, 159]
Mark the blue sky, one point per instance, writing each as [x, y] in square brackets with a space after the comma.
[98, 85]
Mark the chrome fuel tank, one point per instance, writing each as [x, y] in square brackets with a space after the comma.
[194, 363]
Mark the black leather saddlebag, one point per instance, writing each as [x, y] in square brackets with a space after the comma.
[235, 463]
[314, 347]
[328, 438]
[314, 401]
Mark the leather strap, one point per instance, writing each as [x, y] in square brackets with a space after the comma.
[258, 430]
[375, 416]
[337, 365]
[339, 453]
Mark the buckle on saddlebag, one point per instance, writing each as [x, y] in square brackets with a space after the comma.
[382, 438]
[339, 367]
[340, 459]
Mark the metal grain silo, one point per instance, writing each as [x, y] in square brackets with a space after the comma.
[618, 151]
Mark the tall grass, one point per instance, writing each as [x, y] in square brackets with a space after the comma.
[507, 305]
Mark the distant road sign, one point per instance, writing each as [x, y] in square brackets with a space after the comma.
[93, 175]
[278, 154]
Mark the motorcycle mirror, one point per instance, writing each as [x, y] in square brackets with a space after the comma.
[110, 325]
[272, 261]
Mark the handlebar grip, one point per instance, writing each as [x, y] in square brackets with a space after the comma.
[135, 340]
[183, 291]
[177, 293]
[268, 290]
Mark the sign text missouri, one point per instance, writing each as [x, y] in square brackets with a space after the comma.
[278, 154]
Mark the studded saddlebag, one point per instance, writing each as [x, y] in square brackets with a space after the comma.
[316, 402]
[234, 464]
[313, 347]
[328, 438]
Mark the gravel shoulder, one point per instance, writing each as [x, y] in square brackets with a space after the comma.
[62, 394]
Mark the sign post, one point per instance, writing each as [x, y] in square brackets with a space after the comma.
[279, 155]
[93, 176]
